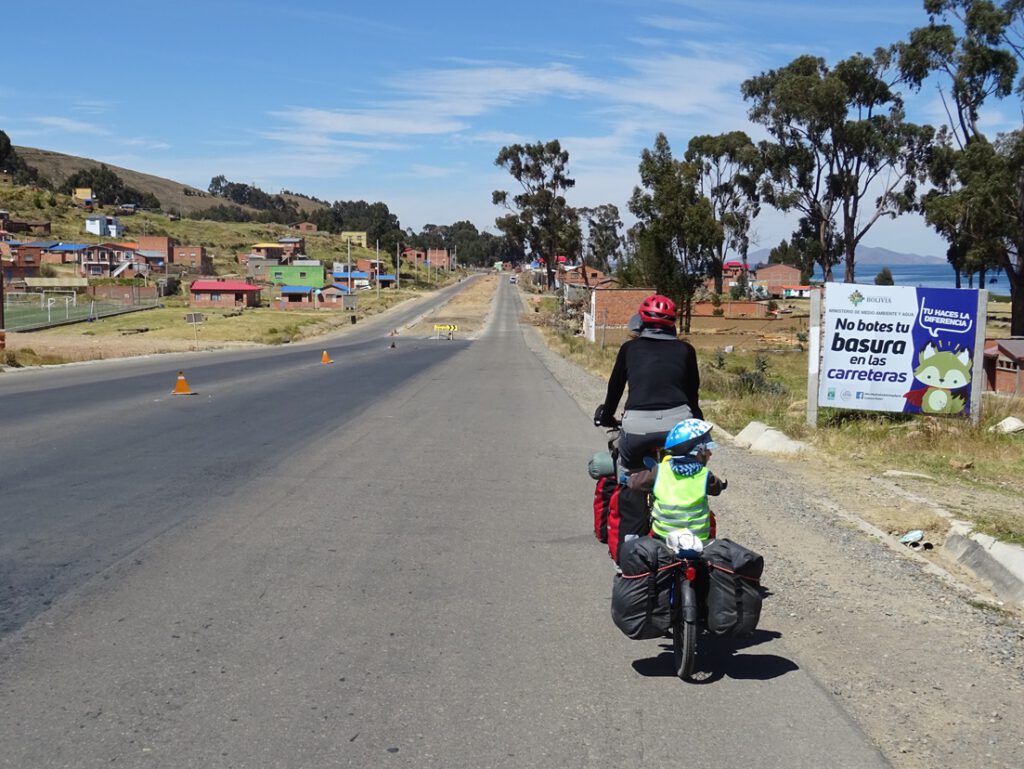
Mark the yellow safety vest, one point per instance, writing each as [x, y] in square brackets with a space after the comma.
[681, 502]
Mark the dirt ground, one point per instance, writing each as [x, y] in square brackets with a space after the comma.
[81, 348]
[468, 311]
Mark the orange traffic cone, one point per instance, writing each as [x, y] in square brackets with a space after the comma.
[181, 387]
[325, 359]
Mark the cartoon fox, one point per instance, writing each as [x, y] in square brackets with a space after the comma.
[943, 371]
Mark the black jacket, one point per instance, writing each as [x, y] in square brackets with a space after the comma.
[661, 374]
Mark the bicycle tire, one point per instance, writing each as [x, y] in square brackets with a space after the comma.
[684, 648]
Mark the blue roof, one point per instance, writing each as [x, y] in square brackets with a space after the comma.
[296, 289]
[70, 247]
[385, 277]
[354, 275]
[343, 289]
[47, 244]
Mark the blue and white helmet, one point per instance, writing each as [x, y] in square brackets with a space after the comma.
[689, 435]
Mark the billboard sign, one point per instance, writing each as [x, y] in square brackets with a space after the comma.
[902, 349]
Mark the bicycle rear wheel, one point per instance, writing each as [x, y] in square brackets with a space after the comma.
[684, 648]
[684, 634]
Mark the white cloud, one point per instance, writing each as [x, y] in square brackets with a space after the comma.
[676, 24]
[71, 126]
[149, 144]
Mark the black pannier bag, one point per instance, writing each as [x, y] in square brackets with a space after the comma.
[640, 594]
[734, 587]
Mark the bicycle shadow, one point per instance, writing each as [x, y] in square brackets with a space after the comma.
[720, 656]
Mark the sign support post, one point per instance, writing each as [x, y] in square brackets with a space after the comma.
[814, 356]
[978, 373]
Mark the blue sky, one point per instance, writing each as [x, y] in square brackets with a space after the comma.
[408, 103]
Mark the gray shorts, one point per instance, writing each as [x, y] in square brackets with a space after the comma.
[643, 432]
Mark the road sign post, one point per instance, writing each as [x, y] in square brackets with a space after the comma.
[195, 318]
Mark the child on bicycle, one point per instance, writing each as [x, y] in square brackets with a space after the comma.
[681, 482]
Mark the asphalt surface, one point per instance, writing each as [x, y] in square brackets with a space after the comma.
[382, 562]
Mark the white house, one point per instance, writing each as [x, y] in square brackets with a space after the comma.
[104, 226]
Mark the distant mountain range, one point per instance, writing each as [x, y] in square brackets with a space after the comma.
[865, 255]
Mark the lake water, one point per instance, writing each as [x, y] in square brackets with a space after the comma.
[926, 275]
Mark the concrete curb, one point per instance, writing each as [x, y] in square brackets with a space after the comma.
[998, 564]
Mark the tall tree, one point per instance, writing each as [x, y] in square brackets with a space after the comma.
[676, 231]
[841, 141]
[726, 169]
[975, 48]
[796, 254]
[540, 218]
[603, 242]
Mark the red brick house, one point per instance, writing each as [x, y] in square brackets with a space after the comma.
[1004, 365]
[413, 257]
[193, 257]
[19, 262]
[161, 243]
[267, 251]
[439, 257]
[775, 276]
[574, 276]
[223, 293]
[292, 247]
[305, 227]
[104, 259]
[372, 267]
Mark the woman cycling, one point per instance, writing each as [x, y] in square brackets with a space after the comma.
[661, 372]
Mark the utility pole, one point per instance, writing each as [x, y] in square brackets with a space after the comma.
[398, 266]
[349, 268]
[378, 268]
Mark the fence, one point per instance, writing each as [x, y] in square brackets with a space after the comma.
[31, 312]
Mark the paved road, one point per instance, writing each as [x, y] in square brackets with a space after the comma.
[383, 562]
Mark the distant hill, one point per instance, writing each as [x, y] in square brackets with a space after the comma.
[56, 167]
[865, 255]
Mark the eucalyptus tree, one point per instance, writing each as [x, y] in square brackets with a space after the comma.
[726, 170]
[844, 155]
[603, 243]
[539, 217]
[676, 231]
[974, 48]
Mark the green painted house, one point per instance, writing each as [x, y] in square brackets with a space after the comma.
[303, 273]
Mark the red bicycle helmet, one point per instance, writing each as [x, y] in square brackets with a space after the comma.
[658, 310]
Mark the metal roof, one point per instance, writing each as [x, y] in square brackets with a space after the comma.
[223, 285]
[354, 275]
[47, 244]
[296, 289]
[1012, 348]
